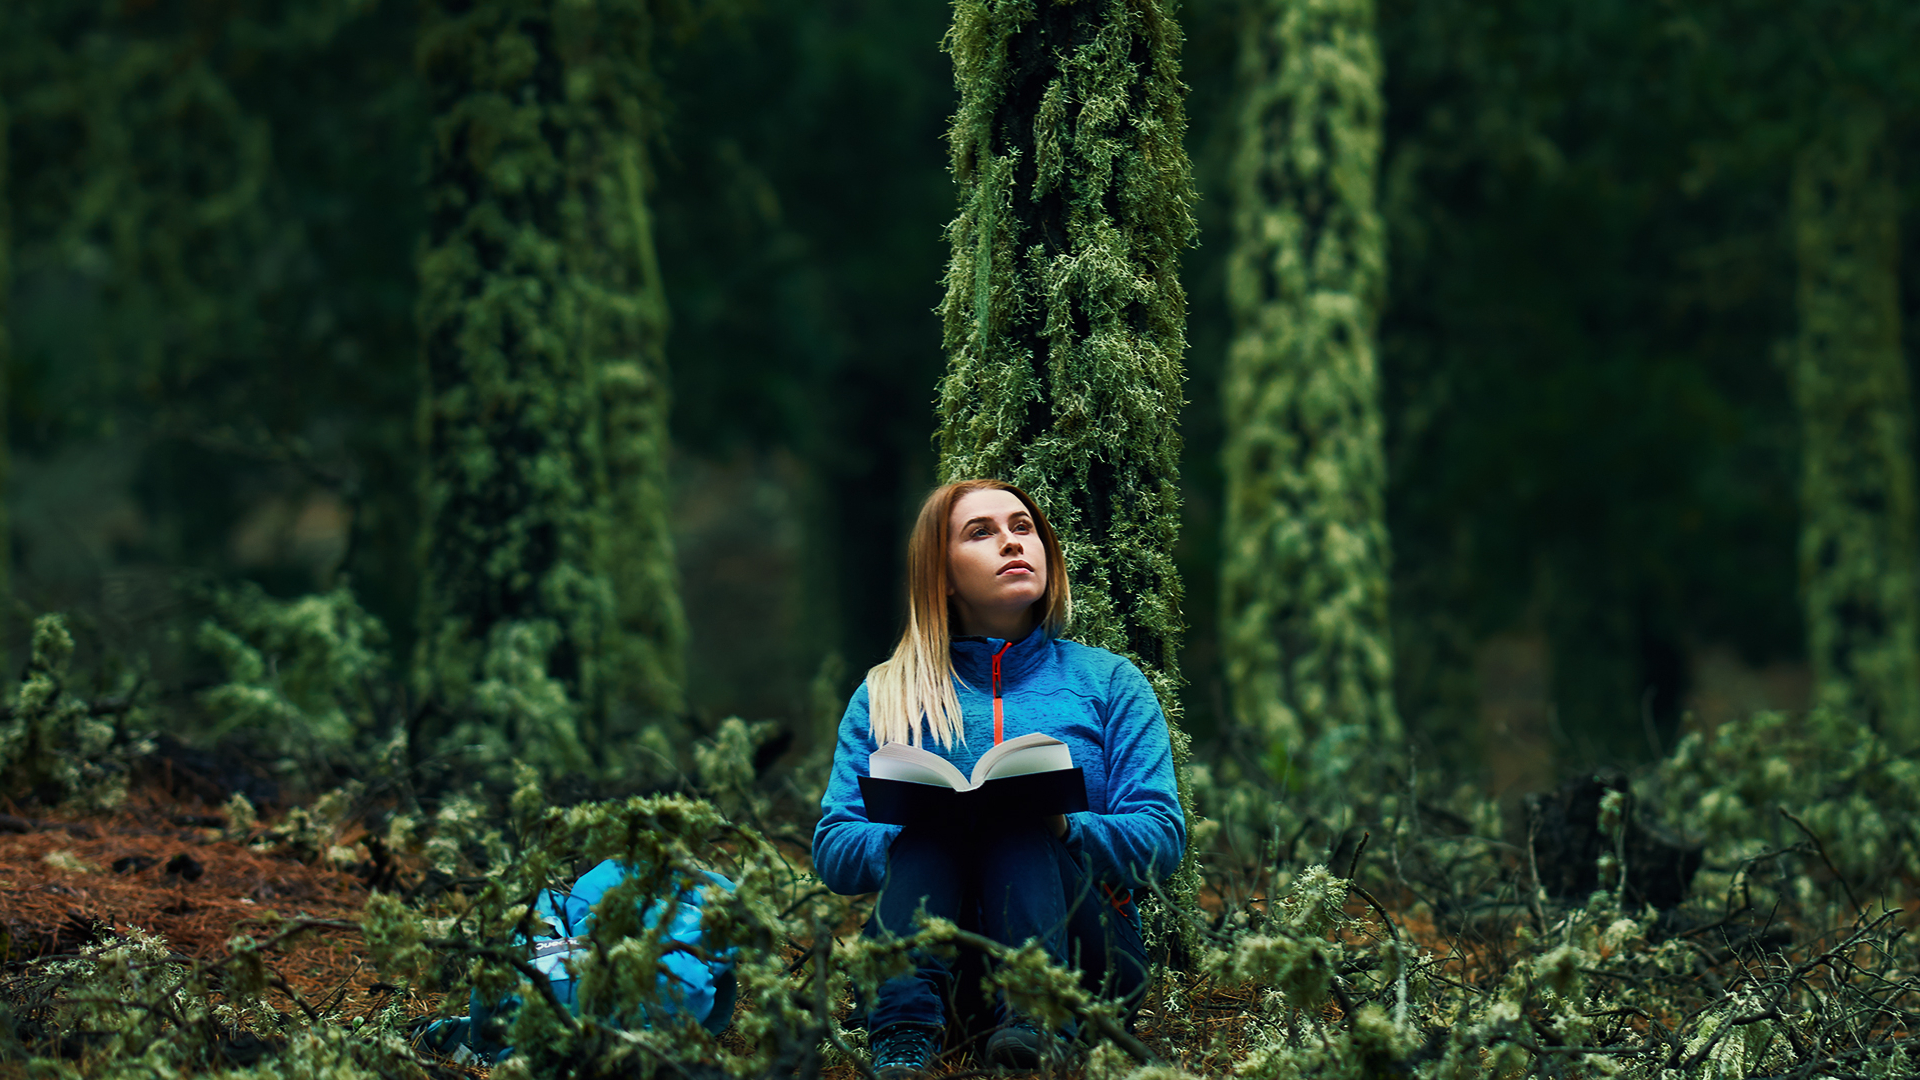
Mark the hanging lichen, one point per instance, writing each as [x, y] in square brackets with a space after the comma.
[1304, 557]
[1857, 553]
[1065, 319]
[543, 414]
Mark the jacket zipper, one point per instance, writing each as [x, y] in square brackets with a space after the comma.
[999, 717]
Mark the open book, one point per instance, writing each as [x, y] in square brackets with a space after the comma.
[1031, 776]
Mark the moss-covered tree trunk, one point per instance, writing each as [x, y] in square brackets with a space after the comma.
[6, 362]
[1303, 584]
[1065, 320]
[624, 336]
[549, 622]
[1858, 532]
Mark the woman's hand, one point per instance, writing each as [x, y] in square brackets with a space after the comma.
[1058, 823]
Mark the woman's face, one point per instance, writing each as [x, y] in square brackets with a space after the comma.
[996, 565]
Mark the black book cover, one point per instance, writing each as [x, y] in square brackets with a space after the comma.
[1007, 798]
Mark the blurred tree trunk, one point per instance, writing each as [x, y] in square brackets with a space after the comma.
[1065, 319]
[1304, 629]
[549, 622]
[1858, 534]
[624, 336]
[6, 361]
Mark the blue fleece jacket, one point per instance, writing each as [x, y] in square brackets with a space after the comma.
[1097, 703]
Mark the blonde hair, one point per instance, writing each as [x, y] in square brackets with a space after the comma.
[910, 694]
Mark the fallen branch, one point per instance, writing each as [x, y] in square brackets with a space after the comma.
[1821, 850]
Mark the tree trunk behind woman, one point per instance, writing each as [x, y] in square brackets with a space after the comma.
[1065, 320]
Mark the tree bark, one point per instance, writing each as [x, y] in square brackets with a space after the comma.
[6, 362]
[549, 622]
[1857, 540]
[1065, 320]
[1304, 627]
[1064, 316]
[623, 334]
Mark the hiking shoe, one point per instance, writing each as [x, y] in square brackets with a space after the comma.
[904, 1051]
[1019, 1045]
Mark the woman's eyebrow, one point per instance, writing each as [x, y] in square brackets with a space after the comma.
[1017, 515]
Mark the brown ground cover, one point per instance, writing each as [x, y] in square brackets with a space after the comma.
[168, 868]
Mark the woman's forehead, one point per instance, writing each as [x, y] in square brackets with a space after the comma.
[996, 503]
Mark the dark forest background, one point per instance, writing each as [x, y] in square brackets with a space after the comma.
[214, 372]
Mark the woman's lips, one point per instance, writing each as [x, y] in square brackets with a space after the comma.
[1016, 568]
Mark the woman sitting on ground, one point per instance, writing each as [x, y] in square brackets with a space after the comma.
[981, 660]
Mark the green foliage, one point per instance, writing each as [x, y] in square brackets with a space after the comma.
[1856, 793]
[53, 747]
[212, 209]
[668, 840]
[1316, 989]
[723, 769]
[1303, 580]
[547, 613]
[1584, 440]
[164, 202]
[1859, 533]
[1525, 987]
[149, 1012]
[1065, 316]
[301, 674]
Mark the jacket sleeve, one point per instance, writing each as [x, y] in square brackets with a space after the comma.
[1143, 834]
[850, 852]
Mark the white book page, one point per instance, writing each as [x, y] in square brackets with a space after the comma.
[902, 761]
[1032, 753]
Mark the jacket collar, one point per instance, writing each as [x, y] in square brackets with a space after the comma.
[973, 658]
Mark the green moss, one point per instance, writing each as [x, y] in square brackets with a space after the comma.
[1304, 627]
[1065, 319]
[299, 673]
[1858, 534]
[623, 332]
[53, 748]
[549, 617]
[6, 362]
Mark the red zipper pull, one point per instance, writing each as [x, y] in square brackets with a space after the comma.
[999, 717]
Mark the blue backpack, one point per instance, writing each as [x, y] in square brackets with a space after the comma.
[702, 991]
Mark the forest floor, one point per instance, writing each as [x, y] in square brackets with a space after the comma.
[176, 868]
[171, 867]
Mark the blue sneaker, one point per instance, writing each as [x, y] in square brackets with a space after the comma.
[906, 1051]
[1018, 1044]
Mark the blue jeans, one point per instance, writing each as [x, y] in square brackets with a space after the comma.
[1010, 884]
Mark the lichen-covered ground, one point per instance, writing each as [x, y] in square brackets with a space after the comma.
[180, 869]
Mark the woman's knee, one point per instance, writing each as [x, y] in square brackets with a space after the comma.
[925, 871]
